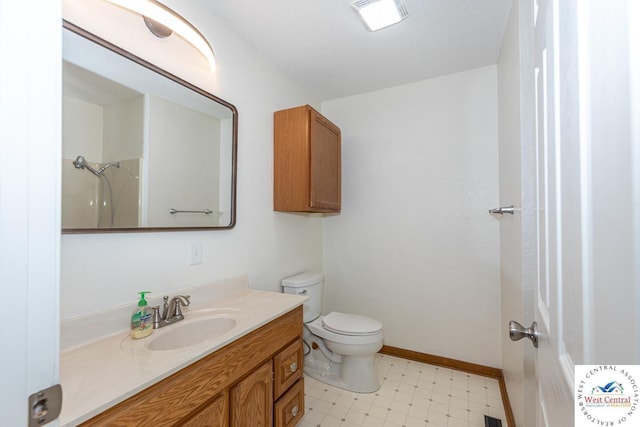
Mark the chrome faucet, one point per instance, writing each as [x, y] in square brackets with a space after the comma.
[171, 312]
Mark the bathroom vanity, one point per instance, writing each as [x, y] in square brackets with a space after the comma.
[251, 375]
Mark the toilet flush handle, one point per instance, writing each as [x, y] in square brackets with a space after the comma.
[302, 292]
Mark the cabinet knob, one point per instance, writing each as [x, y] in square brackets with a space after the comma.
[293, 367]
[294, 411]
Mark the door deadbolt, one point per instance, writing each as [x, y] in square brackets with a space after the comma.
[517, 332]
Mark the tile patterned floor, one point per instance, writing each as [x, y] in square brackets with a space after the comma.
[411, 394]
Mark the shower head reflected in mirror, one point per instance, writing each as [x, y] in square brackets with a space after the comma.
[105, 194]
[81, 163]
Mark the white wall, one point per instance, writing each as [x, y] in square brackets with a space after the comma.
[105, 270]
[82, 129]
[123, 130]
[414, 245]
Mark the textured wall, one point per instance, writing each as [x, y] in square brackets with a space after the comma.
[414, 246]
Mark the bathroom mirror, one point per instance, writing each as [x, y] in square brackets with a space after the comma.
[142, 150]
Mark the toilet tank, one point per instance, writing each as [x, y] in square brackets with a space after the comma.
[308, 284]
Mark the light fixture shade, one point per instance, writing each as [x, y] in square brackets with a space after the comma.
[378, 14]
[163, 15]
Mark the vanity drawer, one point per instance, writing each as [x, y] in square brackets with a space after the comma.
[289, 409]
[288, 367]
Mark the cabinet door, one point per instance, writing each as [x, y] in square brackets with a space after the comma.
[252, 399]
[213, 415]
[325, 164]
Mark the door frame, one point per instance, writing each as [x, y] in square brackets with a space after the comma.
[30, 83]
[517, 187]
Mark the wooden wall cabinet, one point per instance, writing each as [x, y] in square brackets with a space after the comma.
[254, 381]
[307, 165]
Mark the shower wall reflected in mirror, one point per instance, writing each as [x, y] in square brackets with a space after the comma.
[105, 124]
[109, 193]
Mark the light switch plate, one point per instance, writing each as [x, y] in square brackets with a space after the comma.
[196, 253]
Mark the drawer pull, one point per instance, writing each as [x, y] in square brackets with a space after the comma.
[294, 411]
[293, 367]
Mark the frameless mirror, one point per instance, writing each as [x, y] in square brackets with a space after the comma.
[142, 150]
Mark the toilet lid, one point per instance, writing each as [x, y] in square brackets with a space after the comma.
[351, 324]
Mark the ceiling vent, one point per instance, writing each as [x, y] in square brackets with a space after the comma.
[378, 14]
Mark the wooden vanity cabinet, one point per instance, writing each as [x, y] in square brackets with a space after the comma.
[307, 162]
[253, 381]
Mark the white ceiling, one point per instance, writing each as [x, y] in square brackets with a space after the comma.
[323, 44]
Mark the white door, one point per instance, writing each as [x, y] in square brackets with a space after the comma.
[30, 84]
[558, 222]
[587, 200]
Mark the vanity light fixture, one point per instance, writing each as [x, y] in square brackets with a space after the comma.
[378, 14]
[162, 21]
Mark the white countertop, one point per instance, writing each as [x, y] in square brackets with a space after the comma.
[100, 374]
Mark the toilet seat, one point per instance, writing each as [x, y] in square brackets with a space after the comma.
[317, 328]
[351, 324]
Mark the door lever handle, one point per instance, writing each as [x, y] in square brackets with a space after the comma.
[503, 210]
[517, 332]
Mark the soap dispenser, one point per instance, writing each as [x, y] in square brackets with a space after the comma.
[141, 321]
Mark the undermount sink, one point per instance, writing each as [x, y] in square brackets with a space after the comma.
[190, 333]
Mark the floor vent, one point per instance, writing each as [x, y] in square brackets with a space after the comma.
[491, 422]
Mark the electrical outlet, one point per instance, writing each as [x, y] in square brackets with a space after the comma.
[196, 253]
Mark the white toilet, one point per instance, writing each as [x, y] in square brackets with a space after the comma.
[339, 347]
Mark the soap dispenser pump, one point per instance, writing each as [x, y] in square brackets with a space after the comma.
[141, 321]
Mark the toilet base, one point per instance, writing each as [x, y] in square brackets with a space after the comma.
[354, 373]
